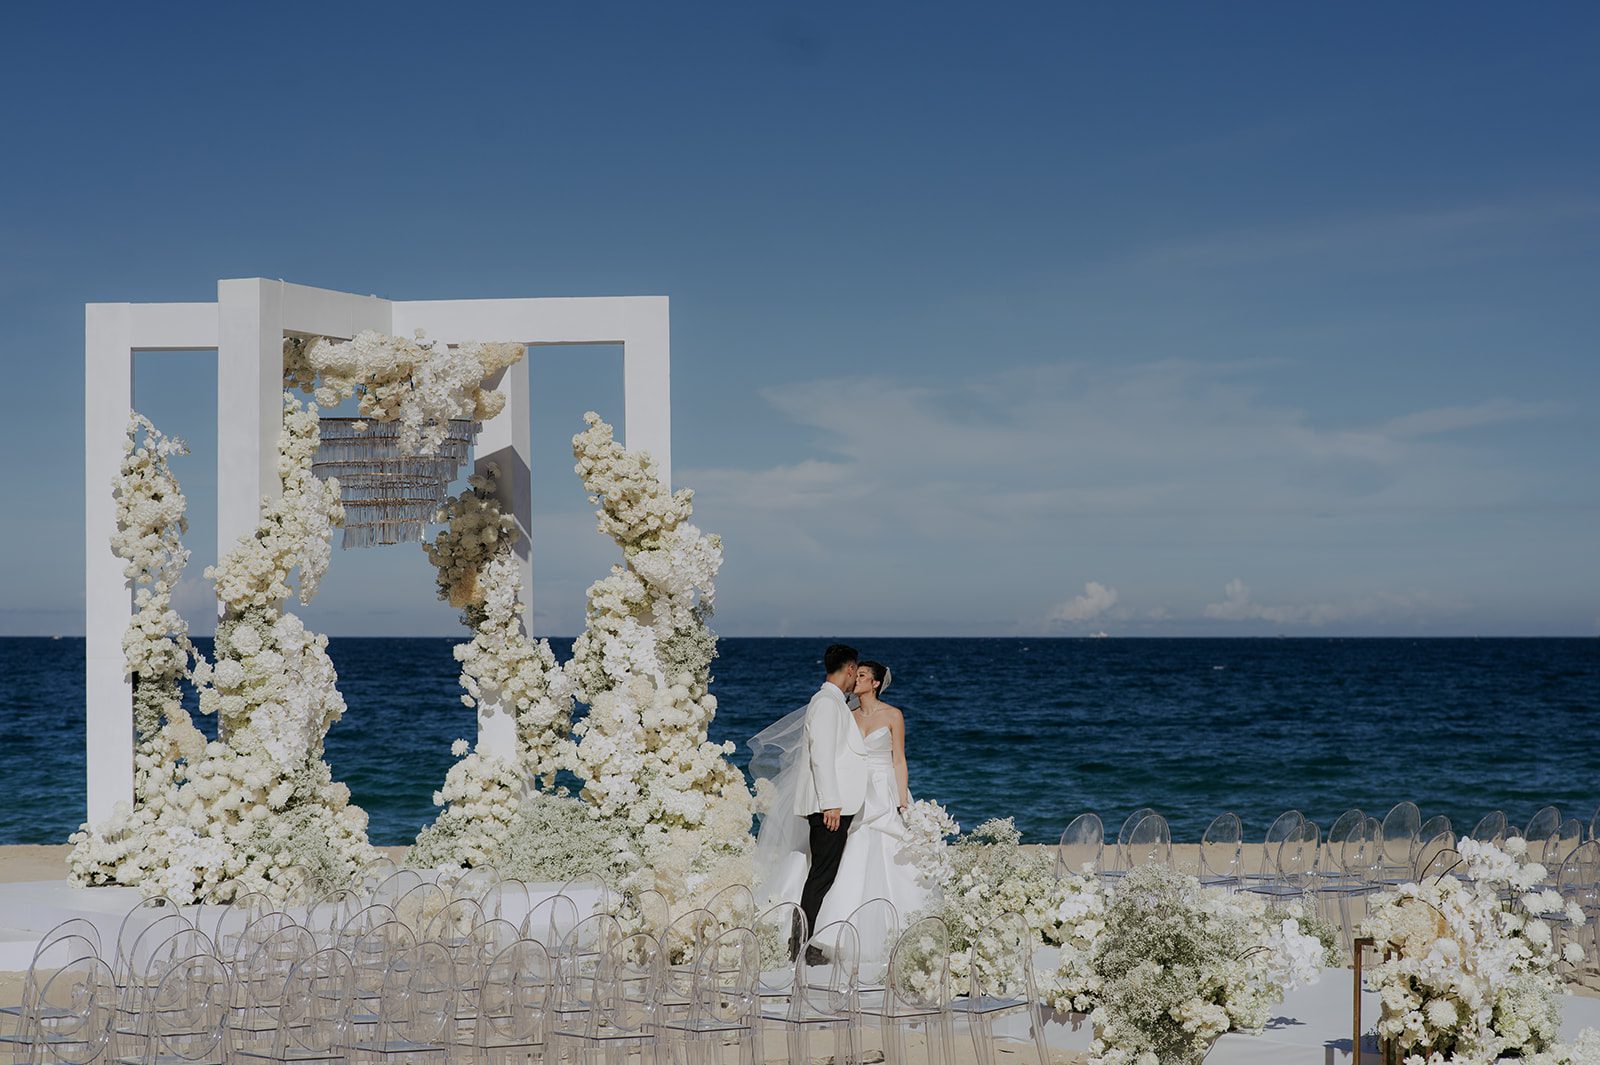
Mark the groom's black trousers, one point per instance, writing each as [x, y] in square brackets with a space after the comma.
[826, 849]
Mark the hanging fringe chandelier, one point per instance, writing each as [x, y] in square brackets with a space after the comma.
[388, 495]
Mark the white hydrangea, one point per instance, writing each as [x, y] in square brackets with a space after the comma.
[1469, 967]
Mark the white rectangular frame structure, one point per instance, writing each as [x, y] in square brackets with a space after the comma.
[246, 326]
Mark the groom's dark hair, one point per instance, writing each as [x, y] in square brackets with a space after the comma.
[837, 656]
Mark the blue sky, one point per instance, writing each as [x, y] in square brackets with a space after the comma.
[1166, 320]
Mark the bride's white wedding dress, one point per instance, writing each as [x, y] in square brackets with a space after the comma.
[873, 866]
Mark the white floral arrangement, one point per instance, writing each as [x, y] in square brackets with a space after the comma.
[418, 382]
[1469, 968]
[1179, 964]
[151, 520]
[256, 810]
[927, 828]
[987, 880]
[643, 667]
[503, 670]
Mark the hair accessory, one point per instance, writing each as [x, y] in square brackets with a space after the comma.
[888, 675]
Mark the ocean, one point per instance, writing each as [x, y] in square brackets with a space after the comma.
[1035, 729]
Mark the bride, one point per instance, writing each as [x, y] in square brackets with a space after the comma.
[872, 866]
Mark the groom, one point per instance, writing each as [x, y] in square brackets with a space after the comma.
[836, 786]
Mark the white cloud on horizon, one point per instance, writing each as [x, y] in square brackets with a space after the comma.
[1237, 604]
[1095, 600]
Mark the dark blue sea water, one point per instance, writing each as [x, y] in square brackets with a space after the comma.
[1036, 729]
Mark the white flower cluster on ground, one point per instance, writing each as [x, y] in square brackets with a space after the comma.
[643, 667]
[1469, 973]
[418, 382]
[503, 670]
[259, 802]
[1174, 965]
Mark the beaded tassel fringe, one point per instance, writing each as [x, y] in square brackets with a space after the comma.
[388, 496]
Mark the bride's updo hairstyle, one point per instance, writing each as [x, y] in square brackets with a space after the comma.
[880, 673]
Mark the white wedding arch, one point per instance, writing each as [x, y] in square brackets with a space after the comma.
[246, 327]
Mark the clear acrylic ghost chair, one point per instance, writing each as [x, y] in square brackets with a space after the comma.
[70, 1016]
[1436, 836]
[71, 939]
[1542, 825]
[579, 955]
[734, 906]
[509, 901]
[397, 884]
[374, 873]
[371, 956]
[724, 1003]
[420, 905]
[1010, 989]
[1397, 842]
[823, 999]
[648, 910]
[1437, 859]
[780, 930]
[416, 1010]
[1082, 842]
[234, 917]
[455, 926]
[1293, 863]
[150, 956]
[1118, 866]
[476, 883]
[592, 891]
[1150, 843]
[1434, 827]
[1491, 828]
[1221, 862]
[877, 924]
[249, 941]
[261, 982]
[550, 920]
[915, 992]
[313, 1021]
[360, 923]
[184, 1018]
[1328, 866]
[621, 989]
[1594, 824]
[515, 1004]
[1561, 843]
[1286, 825]
[326, 916]
[1578, 881]
[153, 910]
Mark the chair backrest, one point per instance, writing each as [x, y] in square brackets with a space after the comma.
[1398, 838]
[594, 881]
[157, 938]
[143, 914]
[509, 900]
[186, 1014]
[1359, 856]
[1542, 825]
[877, 923]
[476, 883]
[314, 1019]
[397, 884]
[1150, 842]
[362, 921]
[686, 936]
[326, 916]
[376, 949]
[551, 920]
[625, 985]
[782, 932]
[1330, 859]
[1434, 827]
[1006, 969]
[1579, 877]
[71, 939]
[418, 999]
[374, 873]
[1286, 825]
[420, 905]
[455, 923]
[1491, 828]
[1081, 844]
[1562, 842]
[516, 994]
[76, 1006]
[1594, 824]
[734, 906]
[726, 991]
[1222, 847]
[1297, 855]
[266, 968]
[240, 947]
[1130, 822]
[919, 967]
[833, 989]
[650, 908]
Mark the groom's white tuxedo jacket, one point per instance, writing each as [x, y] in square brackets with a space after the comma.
[837, 757]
